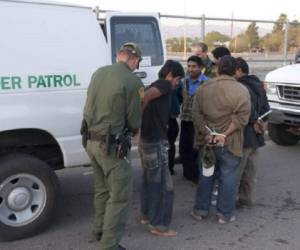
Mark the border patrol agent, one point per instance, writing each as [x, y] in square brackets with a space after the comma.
[112, 113]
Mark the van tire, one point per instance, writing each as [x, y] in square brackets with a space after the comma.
[279, 134]
[29, 190]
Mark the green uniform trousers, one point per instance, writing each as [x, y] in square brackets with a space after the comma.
[113, 184]
[248, 170]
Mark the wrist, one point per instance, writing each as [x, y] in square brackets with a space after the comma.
[223, 135]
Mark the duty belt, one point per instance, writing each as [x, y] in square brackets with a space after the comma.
[93, 136]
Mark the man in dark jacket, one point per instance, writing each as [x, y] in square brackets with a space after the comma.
[253, 132]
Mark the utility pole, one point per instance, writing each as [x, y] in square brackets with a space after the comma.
[184, 34]
[203, 28]
[231, 27]
[231, 31]
[286, 41]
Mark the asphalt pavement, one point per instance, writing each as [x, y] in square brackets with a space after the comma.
[273, 224]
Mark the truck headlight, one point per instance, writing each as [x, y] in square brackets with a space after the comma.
[271, 88]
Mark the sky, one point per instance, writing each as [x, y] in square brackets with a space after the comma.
[247, 9]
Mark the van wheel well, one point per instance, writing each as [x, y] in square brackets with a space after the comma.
[33, 142]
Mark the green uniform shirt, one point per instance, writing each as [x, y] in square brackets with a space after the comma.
[114, 99]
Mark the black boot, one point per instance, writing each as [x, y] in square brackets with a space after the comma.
[94, 237]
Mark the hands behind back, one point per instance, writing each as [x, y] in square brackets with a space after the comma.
[215, 140]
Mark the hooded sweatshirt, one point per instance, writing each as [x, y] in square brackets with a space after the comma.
[259, 105]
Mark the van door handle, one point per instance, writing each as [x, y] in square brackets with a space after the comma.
[141, 74]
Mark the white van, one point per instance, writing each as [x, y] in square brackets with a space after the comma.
[48, 53]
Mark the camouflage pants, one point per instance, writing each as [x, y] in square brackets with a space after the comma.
[113, 181]
[248, 176]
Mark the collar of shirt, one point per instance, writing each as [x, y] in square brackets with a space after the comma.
[193, 85]
[124, 64]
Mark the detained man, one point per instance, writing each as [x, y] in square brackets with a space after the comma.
[253, 133]
[157, 194]
[189, 155]
[222, 104]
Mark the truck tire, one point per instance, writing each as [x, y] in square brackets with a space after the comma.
[29, 189]
[280, 136]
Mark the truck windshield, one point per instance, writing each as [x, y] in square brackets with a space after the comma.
[144, 31]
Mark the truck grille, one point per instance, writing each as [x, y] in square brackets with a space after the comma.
[289, 92]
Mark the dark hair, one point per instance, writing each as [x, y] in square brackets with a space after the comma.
[227, 66]
[203, 46]
[196, 59]
[219, 52]
[171, 66]
[242, 65]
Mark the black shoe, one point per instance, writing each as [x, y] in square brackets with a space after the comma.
[121, 248]
[172, 171]
[94, 237]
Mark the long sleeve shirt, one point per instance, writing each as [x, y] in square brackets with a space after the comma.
[190, 88]
[114, 100]
[217, 103]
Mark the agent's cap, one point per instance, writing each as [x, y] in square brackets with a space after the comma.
[132, 48]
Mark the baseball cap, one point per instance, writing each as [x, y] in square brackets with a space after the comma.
[132, 47]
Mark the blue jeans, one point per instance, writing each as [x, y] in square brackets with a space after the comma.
[227, 171]
[157, 192]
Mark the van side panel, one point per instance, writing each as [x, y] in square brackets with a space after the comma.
[50, 54]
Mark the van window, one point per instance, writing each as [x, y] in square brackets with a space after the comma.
[142, 30]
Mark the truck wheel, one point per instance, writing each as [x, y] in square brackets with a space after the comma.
[280, 136]
[29, 189]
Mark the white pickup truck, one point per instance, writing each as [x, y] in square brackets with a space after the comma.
[283, 90]
[48, 53]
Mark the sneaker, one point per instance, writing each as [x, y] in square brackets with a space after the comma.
[222, 220]
[197, 216]
[168, 233]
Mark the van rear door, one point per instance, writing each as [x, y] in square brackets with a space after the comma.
[142, 29]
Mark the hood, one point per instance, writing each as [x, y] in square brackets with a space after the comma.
[252, 82]
[286, 74]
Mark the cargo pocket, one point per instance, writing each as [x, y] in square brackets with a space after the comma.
[120, 179]
[150, 159]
